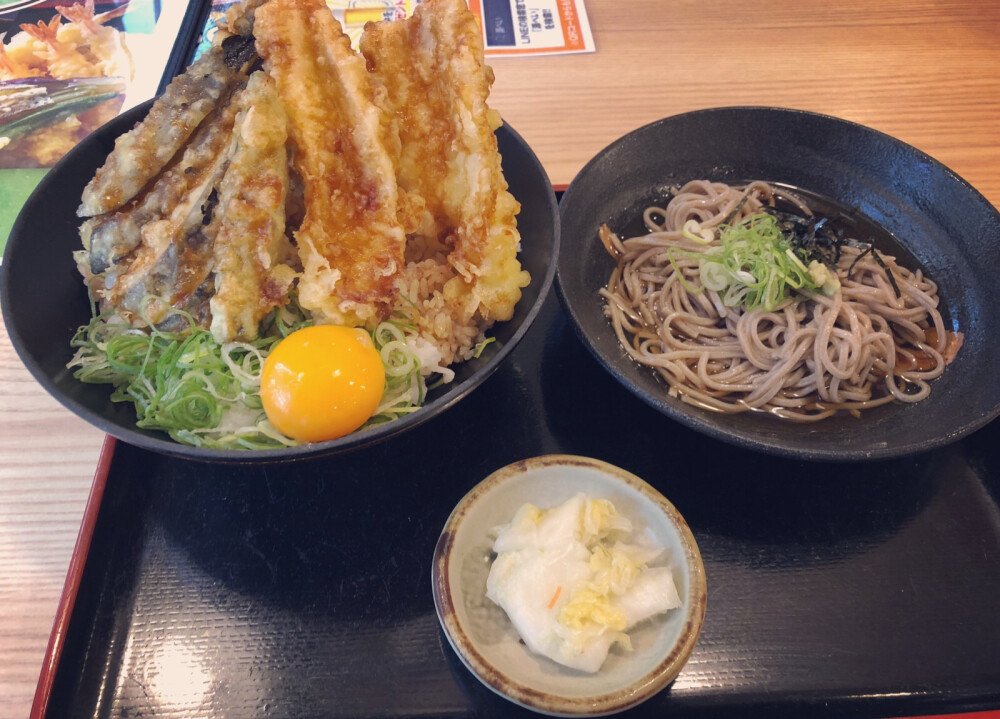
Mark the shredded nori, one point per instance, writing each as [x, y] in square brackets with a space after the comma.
[817, 240]
[728, 219]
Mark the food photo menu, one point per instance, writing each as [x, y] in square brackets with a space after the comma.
[66, 68]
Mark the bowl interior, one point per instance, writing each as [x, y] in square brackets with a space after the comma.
[44, 299]
[927, 212]
[485, 639]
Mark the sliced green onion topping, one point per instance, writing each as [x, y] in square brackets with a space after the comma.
[205, 394]
[754, 265]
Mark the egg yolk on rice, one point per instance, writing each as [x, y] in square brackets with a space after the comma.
[322, 382]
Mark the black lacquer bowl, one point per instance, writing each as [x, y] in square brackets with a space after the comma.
[928, 216]
[44, 299]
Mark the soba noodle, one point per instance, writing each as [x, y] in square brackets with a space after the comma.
[813, 355]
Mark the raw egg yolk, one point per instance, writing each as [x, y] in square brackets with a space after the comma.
[322, 382]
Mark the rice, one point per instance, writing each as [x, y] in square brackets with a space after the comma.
[438, 300]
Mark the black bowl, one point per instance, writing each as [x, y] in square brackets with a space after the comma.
[44, 300]
[938, 220]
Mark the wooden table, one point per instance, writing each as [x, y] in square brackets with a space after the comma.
[926, 72]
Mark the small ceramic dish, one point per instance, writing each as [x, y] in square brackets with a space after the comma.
[486, 641]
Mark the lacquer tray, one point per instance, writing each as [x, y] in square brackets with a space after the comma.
[303, 589]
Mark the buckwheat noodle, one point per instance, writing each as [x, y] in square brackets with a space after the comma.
[811, 357]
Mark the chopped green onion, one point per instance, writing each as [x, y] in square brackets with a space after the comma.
[477, 351]
[205, 394]
[183, 382]
[693, 230]
[754, 265]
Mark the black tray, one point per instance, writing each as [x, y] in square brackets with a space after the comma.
[303, 589]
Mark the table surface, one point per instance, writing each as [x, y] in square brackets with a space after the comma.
[927, 73]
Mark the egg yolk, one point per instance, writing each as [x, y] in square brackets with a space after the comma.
[322, 382]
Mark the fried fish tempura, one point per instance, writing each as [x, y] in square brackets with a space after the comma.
[251, 277]
[181, 188]
[370, 182]
[437, 86]
[173, 259]
[350, 241]
[144, 151]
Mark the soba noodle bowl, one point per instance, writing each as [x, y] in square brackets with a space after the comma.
[847, 330]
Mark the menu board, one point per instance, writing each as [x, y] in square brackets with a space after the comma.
[66, 68]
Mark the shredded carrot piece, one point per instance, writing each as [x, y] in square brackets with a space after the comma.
[552, 602]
